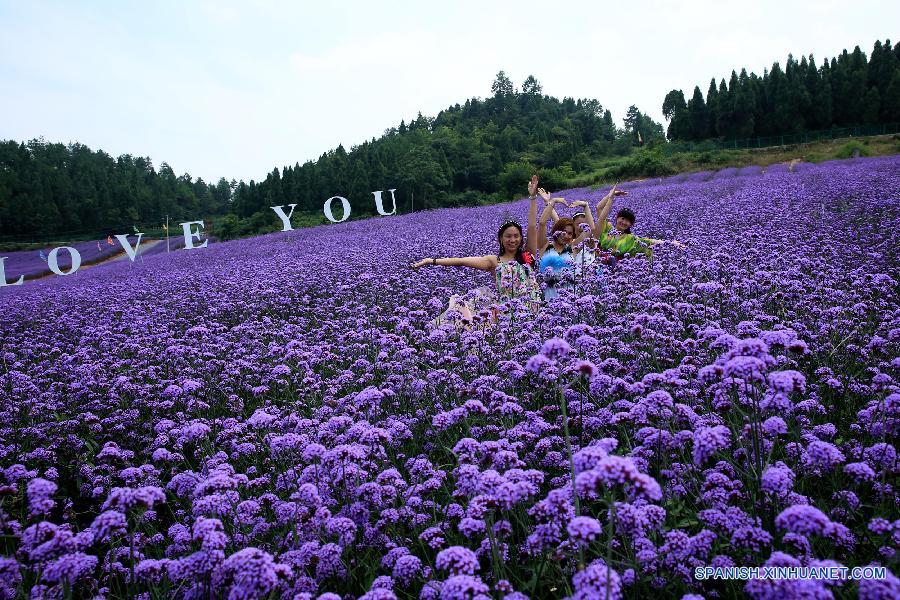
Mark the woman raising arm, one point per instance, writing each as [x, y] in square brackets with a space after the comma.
[513, 268]
[603, 209]
[531, 239]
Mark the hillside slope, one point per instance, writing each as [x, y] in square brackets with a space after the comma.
[271, 415]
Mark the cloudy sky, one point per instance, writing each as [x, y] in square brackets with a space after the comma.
[234, 89]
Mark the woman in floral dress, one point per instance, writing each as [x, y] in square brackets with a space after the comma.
[514, 275]
[513, 267]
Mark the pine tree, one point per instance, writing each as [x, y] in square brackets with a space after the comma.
[744, 107]
[855, 86]
[856, 91]
[798, 87]
[698, 116]
[724, 111]
[797, 98]
[885, 71]
[632, 122]
[839, 89]
[874, 67]
[890, 105]
[783, 93]
[502, 86]
[823, 106]
[857, 60]
[871, 106]
[818, 116]
[609, 127]
[712, 108]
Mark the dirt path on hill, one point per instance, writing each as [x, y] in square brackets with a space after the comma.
[121, 255]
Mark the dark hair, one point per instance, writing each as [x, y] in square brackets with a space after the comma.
[520, 254]
[627, 214]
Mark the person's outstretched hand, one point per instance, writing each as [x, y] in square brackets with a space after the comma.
[533, 186]
[544, 194]
[614, 192]
[421, 263]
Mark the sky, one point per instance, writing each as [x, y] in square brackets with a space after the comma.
[236, 89]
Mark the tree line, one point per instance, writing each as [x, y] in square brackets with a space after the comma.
[848, 90]
[471, 153]
[465, 154]
[481, 150]
[51, 189]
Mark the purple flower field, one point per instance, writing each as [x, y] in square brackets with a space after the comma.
[277, 418]
[30, 264]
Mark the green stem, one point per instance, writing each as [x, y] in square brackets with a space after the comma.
[495, 555]
[565, 418]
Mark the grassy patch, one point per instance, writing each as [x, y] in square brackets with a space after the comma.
[669, 159]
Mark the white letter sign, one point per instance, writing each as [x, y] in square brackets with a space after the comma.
[126, 246]
[285, 218]
[344, 202]
[53, 263]
[380, 206]
[189, 235]
[3, 274]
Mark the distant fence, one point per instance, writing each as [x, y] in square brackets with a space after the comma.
[804, 137]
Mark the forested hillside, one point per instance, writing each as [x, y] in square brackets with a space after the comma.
[459, 157]
[848, 90]
[50, 189]
[471, 153]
